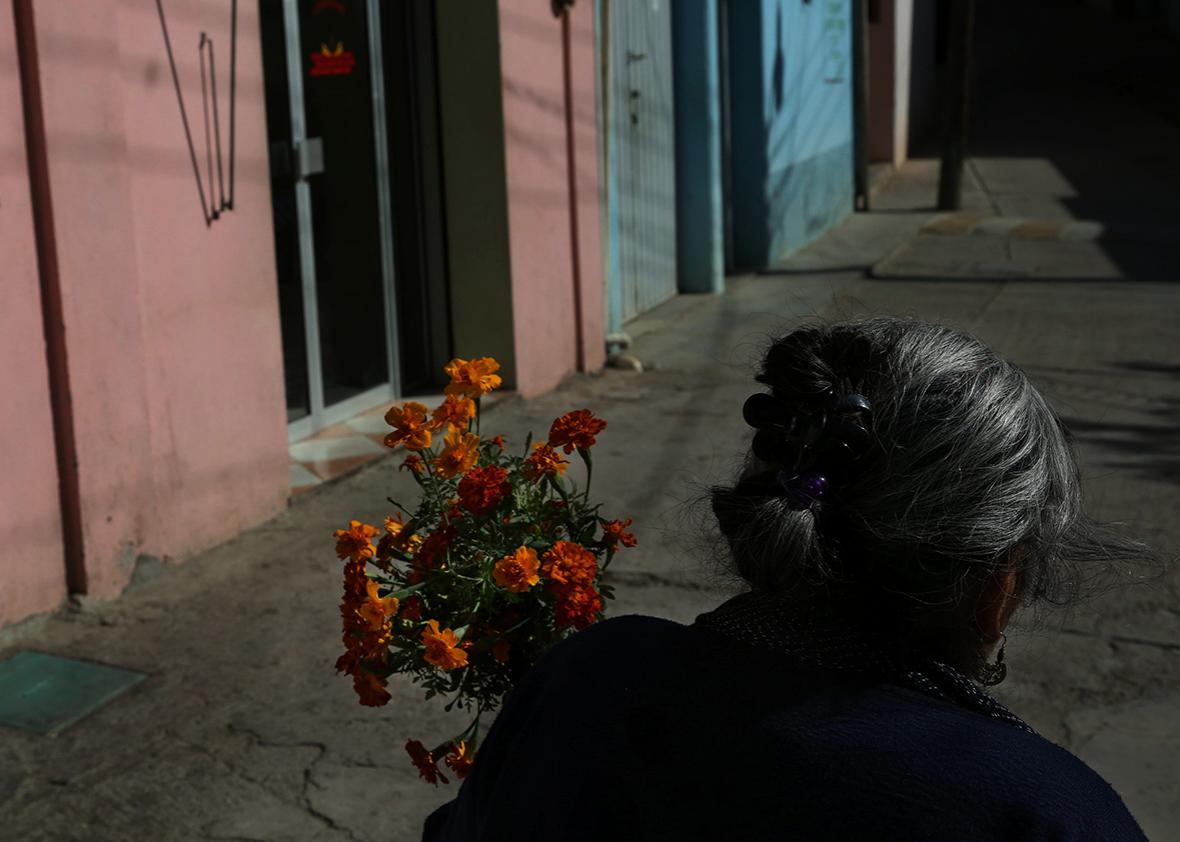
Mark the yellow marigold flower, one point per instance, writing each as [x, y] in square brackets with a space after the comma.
[459, 759]
[395, 528]
[375, 610]
[454, 412]
[356, 542]
[442, 647]
[472, 378]
[411, 427]
[568, 563]
[459, 454]
[517, 572]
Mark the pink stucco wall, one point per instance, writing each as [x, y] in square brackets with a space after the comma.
[32, 567]
[172, 328]
[538, 191]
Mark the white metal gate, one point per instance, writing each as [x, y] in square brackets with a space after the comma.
[641, 131]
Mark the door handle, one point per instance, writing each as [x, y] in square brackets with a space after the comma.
[309, 157]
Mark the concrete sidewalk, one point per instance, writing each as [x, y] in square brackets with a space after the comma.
[243, 731]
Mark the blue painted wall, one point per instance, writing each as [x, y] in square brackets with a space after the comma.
[700, 224]
[790, 75]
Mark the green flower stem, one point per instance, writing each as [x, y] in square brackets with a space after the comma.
[404, 592]
[459, 689]
[585, 454]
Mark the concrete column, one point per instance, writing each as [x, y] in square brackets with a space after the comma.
[700, 229]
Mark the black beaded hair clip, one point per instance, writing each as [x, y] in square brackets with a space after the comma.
[813, 444]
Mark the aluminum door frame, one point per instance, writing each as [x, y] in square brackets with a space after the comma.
[319, 415]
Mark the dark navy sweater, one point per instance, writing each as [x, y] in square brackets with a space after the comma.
[644, 729]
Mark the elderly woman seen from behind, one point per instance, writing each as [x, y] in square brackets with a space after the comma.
[907, 492]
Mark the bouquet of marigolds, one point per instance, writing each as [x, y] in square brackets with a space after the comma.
[501, 559]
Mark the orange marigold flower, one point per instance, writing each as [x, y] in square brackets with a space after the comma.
[517, 572]
[500, 650]
[458, 455]
[459, 759]
[613, 534]
[483, 488]
[411, 427]
[413, 463]
[356, 542]
[370, 688]
[442, 647]
[575, 430]
[576, 606]
[454, 412]
[568, 563]
[405, 542]
[472, 378]
[425, 762]
[375, 610]
[544, 460]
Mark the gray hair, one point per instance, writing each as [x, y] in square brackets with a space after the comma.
[970, 473]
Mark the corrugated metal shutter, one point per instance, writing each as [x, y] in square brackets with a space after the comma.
[643, 133]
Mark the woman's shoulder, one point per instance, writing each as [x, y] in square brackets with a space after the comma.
[999, 767]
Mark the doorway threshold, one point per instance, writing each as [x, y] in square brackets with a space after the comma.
[344, 447]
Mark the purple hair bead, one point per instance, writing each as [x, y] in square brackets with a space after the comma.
[804, 490]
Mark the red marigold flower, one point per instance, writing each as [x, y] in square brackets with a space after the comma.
[459, 759]
[482, 489]
[435, 545]
[500, 650]
[576, 606]
[498, 441]
[356, 542]
[544, 460]
[425, 762]
[568, 563]
[413, 463]
[575, 430]
[370, 687]
[412, 608]
[613, 534]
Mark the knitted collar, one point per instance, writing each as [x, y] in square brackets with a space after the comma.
[766, 622]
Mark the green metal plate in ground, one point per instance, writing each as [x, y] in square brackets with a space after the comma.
[46, 693]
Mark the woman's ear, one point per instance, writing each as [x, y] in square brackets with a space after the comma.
[998, 598]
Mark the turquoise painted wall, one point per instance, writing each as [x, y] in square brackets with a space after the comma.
[700, 224]
[790, 76]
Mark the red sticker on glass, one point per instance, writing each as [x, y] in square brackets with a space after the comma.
[337, 62]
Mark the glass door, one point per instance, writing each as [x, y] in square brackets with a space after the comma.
[333, 219]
